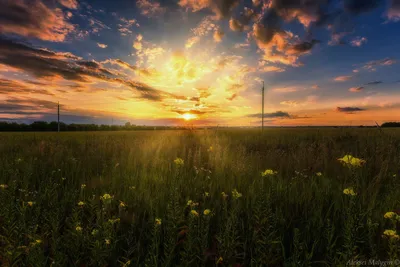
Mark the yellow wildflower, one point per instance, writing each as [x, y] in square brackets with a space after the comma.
[132, 187]
[63, 178]
[106, 198]
[224, 196]
[158, 221]
[206, 194]
[194, 213]
[390, 233]
[207, 212]
[94, 232]
[81, 203]
[389, 215]
[319, 173]
[3, 186]
[349, 160]
[179, 161]
[189, 203]
[210, 149]
[83, 186]
[236, 194]
[78, 229]
[220, 260]
[268, 172]
[108, 242]
[349, 191]
[30, 203]
[38, 241]
[122, 204]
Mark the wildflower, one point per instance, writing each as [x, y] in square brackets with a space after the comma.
[210, 149]
[30, 203]
[63, 178]
[122, 204]
[220, 260]
[391, 234]
[38, 241]
[83, 186]
[179, 161]
[78, 229]
[224, 196]
[349, 191]
[206, 194]
[3, 186]
[189, 203]
[319, 173]
[158, 221]
[132, 187]
[106, 198]
[81, 203]
[236, 194]
[194, 213]
[108, 242]
[349, 160]
[389, 215]
[268, 172]
[95, 232]
[206, 212]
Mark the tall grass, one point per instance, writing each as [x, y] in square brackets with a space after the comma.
[297, 217]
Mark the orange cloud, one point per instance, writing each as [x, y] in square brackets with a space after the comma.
[342, 78]
[221, 8]
[150, 8]
[71, 4]
[20, 17]
[102, 45]
[272, 69]
[218, 34]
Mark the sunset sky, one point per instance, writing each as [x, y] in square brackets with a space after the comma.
[200, 62]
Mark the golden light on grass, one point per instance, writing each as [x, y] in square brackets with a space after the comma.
[188, 116]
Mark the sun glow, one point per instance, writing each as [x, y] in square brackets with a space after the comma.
[188, 116]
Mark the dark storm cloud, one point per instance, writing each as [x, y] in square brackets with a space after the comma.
[303, 47]
[277, 114]
[48, 64]
[349, 109]
[360, 6]
[374, 83]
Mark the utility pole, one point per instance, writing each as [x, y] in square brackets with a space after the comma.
[262, 113]
[58, 117]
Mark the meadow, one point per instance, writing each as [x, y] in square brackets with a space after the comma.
[226, 197]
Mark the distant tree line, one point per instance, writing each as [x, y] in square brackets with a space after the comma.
[390, 124]
[43, 126]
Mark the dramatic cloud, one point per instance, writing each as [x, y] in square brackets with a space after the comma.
[14, 87]
[358, 41]
[360, 6]
[394, 10]
[71, 4]
[34, 19]
[218, 35]
[271, 69]
[150, 8]
[342, 78]
[356, 89]
[102, 45]
[47, 64]
[235, 25]
[277, 114]
[221, 8]
[349, 110]
[302, 48]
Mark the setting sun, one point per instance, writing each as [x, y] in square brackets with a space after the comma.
[188, 116]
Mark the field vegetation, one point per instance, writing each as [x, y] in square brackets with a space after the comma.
[284, 197]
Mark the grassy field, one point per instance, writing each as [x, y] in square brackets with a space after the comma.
[199, 198]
